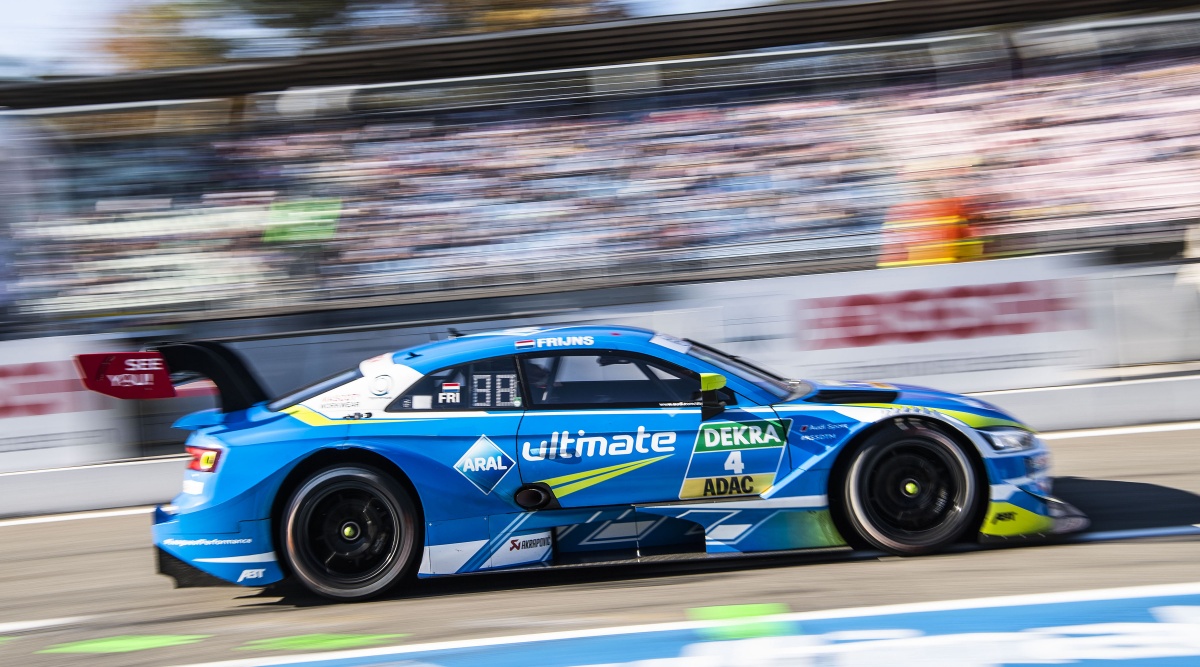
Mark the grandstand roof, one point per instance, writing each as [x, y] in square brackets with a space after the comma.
[572, 46]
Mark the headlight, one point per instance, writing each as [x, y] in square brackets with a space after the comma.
[1010, 439]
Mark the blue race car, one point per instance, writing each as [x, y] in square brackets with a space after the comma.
[553, 446]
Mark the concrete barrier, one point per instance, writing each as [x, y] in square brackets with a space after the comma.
[1103, 404]
[91, 487]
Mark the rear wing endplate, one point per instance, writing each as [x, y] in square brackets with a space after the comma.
[148, 374]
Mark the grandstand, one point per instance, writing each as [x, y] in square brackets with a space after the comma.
[745, 165]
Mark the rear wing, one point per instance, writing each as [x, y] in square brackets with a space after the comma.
[154, 372]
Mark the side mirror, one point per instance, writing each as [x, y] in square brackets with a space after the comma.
[710, 404]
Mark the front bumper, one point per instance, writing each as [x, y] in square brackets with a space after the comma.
[1023, 514]
[195, 558]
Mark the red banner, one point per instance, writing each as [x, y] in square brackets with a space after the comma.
[914, 316]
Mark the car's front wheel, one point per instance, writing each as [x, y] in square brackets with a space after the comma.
[910, 489]
[350, 532]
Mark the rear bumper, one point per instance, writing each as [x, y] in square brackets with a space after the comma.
[184, 575]
[194, 558]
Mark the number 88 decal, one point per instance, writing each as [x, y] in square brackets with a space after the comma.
[495, 390]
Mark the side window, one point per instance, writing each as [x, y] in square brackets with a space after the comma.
[482, 385]
[313, 390]
[607, 378]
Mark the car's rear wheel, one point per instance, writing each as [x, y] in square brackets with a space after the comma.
[910, 490]
[350, 532]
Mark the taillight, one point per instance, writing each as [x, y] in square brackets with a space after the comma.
[203, 459]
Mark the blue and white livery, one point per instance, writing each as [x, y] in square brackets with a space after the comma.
[554, 446]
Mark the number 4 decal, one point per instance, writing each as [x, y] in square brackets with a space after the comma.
[734, 462]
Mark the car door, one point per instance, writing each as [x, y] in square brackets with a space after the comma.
[607, 427]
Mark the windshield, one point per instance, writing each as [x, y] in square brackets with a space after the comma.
[315, 389]
[760, 377]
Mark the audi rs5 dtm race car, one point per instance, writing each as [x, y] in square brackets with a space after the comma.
[553, 446]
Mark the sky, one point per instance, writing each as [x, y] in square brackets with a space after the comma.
[59, 36]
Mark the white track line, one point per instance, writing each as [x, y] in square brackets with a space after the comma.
[21, 626]
[856, 612]
[1121, 430]
[55, 518]
[1136, 533]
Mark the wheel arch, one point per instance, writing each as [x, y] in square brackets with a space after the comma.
[324, 458]
[837, 471]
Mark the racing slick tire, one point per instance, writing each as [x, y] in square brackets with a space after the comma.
[350, 532]
[909, 489]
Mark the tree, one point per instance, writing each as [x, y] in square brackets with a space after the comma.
[175, 33]
[159, 36]
[340, 22]
[498, 15]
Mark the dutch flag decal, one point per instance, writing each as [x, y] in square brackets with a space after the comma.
[528, 342]
[450, 386]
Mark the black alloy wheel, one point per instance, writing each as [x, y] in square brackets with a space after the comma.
[350, 532]
[910, 489]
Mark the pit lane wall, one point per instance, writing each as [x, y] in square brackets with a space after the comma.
[1042, 336]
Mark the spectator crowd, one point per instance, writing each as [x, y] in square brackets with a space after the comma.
[287, 215]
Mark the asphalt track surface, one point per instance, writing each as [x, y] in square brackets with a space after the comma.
[98, 576]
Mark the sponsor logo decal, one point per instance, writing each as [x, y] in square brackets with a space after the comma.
[536, 543]
[251, 574]
[729, 486]
[340, 403]
[562, 445]
[744, 435]
[523, 550]
[735, 458]
[204, 542]
[484, 464]
[381, 385]
[139, 373]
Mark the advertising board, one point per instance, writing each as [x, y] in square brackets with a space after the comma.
[47, 418]
[976, 326]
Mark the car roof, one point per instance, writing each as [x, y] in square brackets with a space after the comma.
[439, 354]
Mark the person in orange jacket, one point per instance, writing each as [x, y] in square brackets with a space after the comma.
[930, 231]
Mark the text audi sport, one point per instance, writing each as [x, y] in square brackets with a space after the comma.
[546, 447]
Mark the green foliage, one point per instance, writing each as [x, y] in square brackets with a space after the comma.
[177, 33]
[158, 36]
